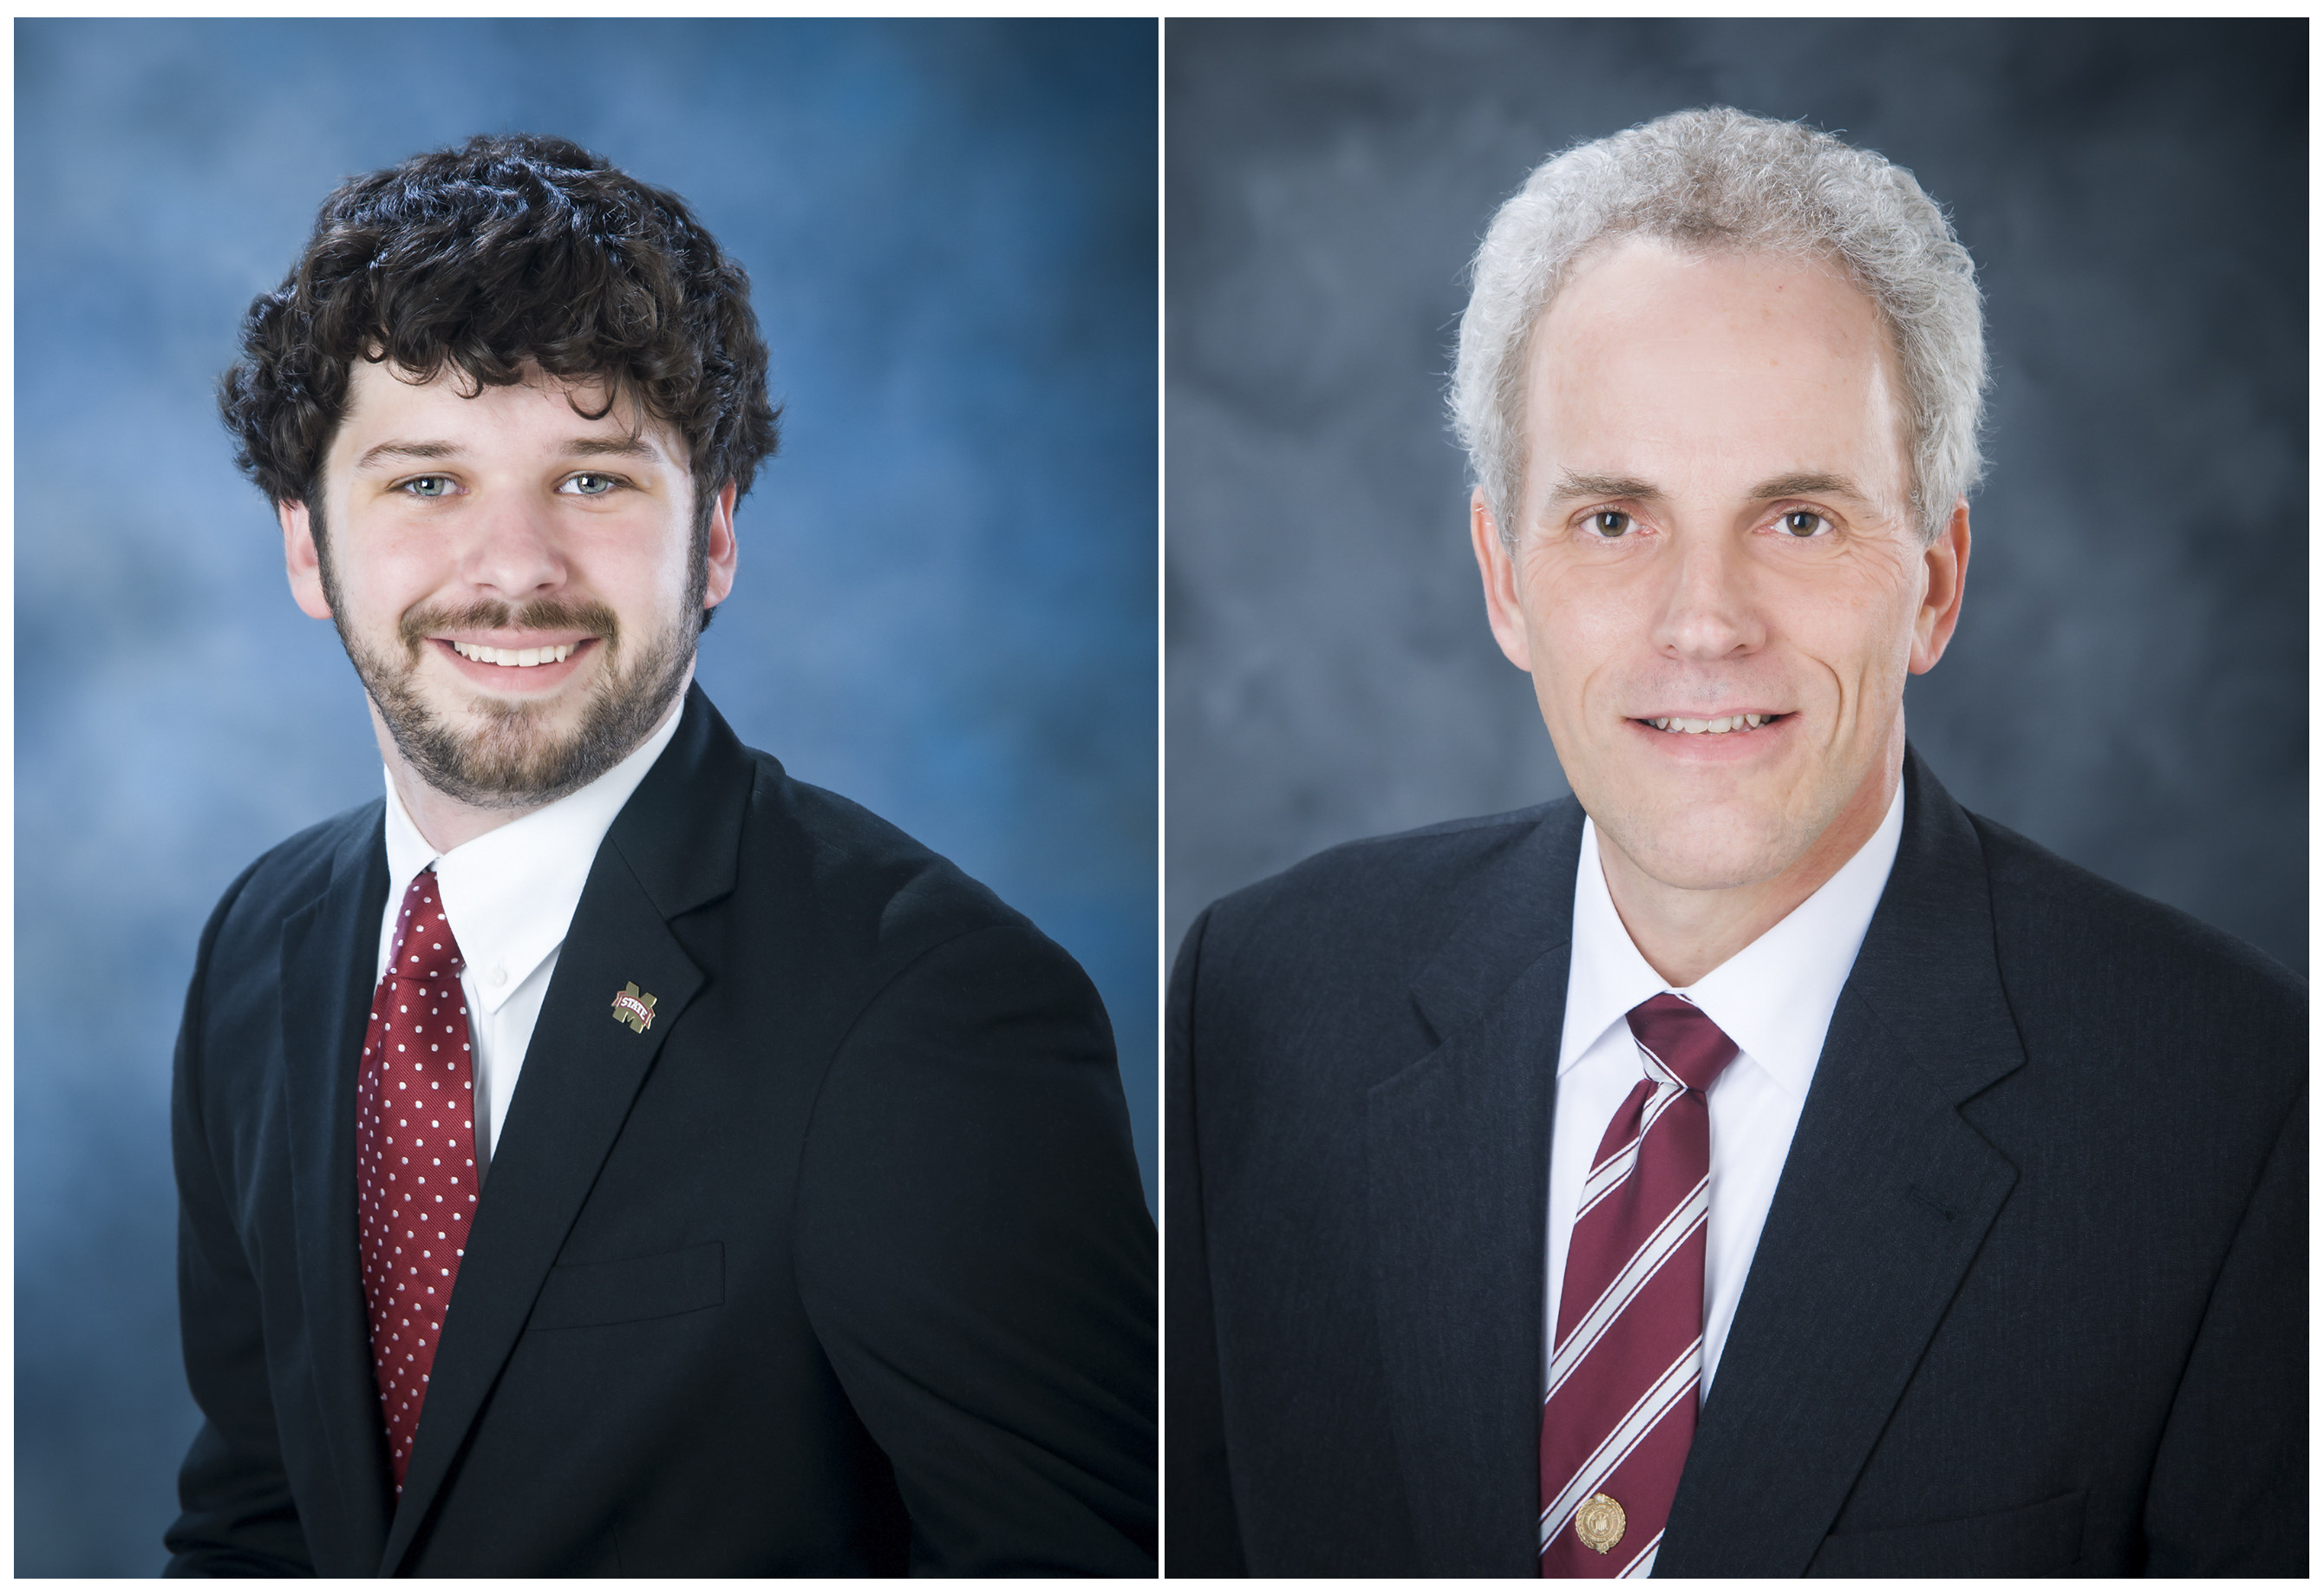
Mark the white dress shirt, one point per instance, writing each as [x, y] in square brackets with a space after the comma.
[510, 896]
[1774, 1000]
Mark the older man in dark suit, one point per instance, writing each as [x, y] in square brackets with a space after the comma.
[606, 1154]
[1757, 1164]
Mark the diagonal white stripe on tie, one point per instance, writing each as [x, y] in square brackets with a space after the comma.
[1607, 1177]
[1693, 1210]
[1642, 1564]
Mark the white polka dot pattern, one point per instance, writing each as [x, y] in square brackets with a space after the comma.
[415, 1158]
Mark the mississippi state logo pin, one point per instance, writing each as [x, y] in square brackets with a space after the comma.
[633, 1008]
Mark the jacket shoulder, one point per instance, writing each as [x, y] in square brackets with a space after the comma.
[293, 872]
[870, 884]
[2079, 948]
[1356, 924]
[1408, 886]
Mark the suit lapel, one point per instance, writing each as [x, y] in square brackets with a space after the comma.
[1884, 1198]
[328, 949]
[1457, 1172]
[674, 847]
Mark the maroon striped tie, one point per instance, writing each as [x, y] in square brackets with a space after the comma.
[1619, 1415]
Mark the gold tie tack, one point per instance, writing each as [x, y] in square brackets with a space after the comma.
[1600, 1522]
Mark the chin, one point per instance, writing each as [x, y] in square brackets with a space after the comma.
[494, 754]
[510, 762]
[1710, 870]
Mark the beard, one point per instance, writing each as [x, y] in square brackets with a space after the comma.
[511, 757]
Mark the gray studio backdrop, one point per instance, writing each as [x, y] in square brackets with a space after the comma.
[2128, 684]
[945, 609]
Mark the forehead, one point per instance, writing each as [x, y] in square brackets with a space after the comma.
[540, 414]
[1648, 350]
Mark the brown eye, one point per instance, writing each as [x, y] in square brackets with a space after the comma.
[1802, 524]
[1608, 523]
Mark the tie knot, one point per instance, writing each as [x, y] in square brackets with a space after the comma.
[1682, 1039]
[424, 949]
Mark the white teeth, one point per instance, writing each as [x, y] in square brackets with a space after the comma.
[518, 657]
[1716, 724]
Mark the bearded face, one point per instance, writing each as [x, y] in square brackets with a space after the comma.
[519, 576]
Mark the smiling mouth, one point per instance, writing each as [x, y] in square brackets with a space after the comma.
[1716, 725]
[555, 654]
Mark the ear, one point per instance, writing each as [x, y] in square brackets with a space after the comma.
[302, 562]
[1498, 568]
[1947, 565]
[719, 577]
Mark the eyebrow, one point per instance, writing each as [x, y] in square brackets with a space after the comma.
[1810, 483]
[405, 451]
[438, 449]
[634, 448]
[1581, 485]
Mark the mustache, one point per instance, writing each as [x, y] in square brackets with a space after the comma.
[539, 615]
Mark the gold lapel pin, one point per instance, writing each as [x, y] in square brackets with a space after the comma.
[633, 1008]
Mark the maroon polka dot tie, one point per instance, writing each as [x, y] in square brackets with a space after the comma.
[415, 1156]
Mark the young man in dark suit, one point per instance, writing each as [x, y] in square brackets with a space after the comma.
[605, 1154]
[1757, 1164]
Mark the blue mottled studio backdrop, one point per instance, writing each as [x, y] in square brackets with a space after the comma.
[2128, 685]
[945, 609]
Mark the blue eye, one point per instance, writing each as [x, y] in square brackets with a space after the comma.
[429, 487]
[592, 484]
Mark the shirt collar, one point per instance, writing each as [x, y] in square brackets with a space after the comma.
[1774, 999]
[510, 894]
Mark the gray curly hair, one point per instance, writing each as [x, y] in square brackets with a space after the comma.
[1716, 179]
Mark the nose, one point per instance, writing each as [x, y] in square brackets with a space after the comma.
[1707, 611]
[513, 553]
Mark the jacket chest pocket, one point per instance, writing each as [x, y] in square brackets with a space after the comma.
[629, 1288]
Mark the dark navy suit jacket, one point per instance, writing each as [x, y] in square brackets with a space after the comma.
[842, 1265]
[2031, 1296]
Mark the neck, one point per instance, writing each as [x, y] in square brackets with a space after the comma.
[1686, 933]
[445, 822]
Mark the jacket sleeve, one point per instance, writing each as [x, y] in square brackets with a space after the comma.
[1204, 1539]
[976, 1257]
[238, 1516]
[2229, 1490]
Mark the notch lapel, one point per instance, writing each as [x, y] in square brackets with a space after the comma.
[1884, 1198]
[1457, 1150]
[328, 949]
[674, 847]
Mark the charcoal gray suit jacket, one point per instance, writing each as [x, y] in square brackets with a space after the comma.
[842, 1265]
[2031, 1298]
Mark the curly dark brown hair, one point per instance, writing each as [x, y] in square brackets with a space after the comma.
[511, 249]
